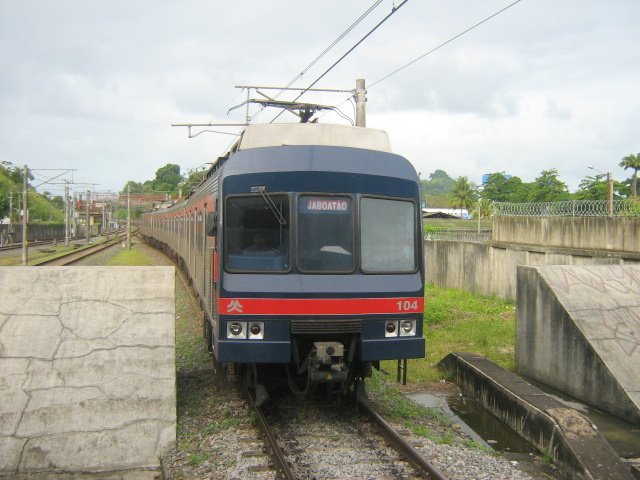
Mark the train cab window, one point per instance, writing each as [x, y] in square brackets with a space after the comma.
[325, 234]
[257, 234]
[388, 235]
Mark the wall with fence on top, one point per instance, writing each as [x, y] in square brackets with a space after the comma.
[491, 268]
[35, 231]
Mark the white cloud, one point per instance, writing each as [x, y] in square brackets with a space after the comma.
[95, 85]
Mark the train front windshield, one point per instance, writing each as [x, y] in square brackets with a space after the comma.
[325, 234]
[258, 234]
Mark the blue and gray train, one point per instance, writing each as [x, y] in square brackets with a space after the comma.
[303, 243]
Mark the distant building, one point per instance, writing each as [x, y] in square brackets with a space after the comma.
[446, 213]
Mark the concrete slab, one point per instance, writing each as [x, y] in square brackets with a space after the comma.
[87, 356]
[563, 433]
[578, 331]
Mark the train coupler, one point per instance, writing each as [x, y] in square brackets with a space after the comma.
[326, 363]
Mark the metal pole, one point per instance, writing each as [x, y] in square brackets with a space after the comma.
[11, 213]
[74, 221]
[609, 194]
[129, 217]
[248, 118]
[361, 101]
[66, 213]
[87, 233]
[25, 253]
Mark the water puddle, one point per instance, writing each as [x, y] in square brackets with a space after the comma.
[475, 421]
[487, 430]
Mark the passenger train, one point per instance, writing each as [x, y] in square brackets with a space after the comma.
[303, 243]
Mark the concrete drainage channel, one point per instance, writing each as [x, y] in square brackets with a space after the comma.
[561, 432]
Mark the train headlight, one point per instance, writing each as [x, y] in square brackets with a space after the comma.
[237, 330]
[407, 328]
[256, 330]
[391, 328]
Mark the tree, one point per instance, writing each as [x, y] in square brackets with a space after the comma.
[632, 161]
[436, 190]
[136, 187]
[463, 194]
[167, 178]
[192, 180]
[548, 188]
[500, 188]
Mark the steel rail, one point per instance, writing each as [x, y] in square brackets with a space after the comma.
[400, 444]
[77, 255]
[34, 243]
[273, 447]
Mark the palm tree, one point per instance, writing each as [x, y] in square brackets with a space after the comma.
[632, 161]
[463, 194]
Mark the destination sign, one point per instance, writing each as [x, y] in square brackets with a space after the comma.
[325, 205]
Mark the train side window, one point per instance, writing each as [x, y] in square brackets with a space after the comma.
[325, 234]
[256, 236]
[212, 224]
[388, 235]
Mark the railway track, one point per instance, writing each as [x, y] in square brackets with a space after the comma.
[338, 444]
[17, 246]
[76, 255]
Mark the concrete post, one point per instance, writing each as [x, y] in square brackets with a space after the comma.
[361, 99]
[129, 217]
[66, 213]
[88, 233]
[25, 248]
[609, 194]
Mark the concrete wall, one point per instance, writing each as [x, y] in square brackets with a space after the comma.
[614, 234]
[578, 331]
[87, 356]
[35, 231]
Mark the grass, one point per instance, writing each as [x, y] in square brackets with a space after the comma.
[459, 321]
[454, 321]
[126, 257]
[34, 254]
[393, 404]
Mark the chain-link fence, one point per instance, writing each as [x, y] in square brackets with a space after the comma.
[576, 208]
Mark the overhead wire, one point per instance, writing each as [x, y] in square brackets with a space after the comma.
[455, 37]
[444, 43]
[393, 11]
[325, 51]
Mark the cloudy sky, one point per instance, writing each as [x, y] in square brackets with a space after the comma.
[95, 85]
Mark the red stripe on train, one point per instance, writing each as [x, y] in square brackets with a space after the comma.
[320, 306]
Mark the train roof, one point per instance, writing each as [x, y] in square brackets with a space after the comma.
[279, 134]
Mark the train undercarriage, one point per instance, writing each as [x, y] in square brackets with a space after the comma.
[328, 365]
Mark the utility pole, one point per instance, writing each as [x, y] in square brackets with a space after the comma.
[88, 226]
[25, 253]
[11, 212]
[609, 194]
[74, 222]
[129, 217]
[361, 102]
[66, 213]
